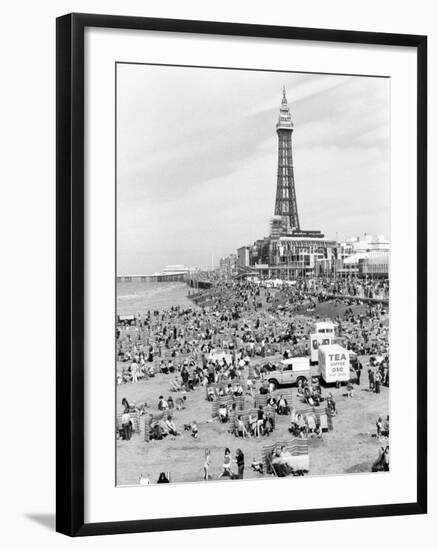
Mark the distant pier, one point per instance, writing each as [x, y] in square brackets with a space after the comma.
[156, 278]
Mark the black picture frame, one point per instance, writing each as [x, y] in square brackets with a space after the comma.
[70, 272]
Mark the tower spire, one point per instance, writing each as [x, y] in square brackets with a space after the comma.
[285, 202]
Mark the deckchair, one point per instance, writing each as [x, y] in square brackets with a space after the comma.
[298, 448]
[321, 415]
[175, 386]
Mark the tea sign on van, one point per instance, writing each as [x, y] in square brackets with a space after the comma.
[337, 356]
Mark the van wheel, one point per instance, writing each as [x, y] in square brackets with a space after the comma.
[274, 383]
[301, 379]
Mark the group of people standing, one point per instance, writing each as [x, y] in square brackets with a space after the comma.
[227, 466]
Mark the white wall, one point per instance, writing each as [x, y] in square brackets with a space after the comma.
[28, 284]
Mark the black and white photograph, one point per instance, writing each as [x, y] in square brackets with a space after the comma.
[252, 274]
[216, 257]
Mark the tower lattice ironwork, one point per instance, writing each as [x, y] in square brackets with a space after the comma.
[286, 201]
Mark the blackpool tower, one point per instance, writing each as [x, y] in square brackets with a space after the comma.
[286, 201]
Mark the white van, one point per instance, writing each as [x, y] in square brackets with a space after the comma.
[291, 371]
[316, 340]
[334, 363]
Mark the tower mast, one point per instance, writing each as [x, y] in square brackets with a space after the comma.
[286, 202]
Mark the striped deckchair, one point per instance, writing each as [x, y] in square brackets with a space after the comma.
[278, 392]
[228, 400]
[288, 396]
[220, 401]
[214, 386]
[223, 385]
[240, 402]
[245, 414]
[260, 399]
[298, 448]
[321, 415]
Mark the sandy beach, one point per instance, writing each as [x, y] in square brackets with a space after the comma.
[351, 447]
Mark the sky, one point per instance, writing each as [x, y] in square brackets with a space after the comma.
[197, 159]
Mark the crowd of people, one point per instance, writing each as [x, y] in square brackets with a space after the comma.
[376, 289]
[239, 321]
[233, 338]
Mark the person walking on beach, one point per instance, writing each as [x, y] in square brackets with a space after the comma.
[371, 380]
[226, 468]
[134, 372]
[240, 460]
[358, 373]
[207, 465]
[127, 426]
[377, 382]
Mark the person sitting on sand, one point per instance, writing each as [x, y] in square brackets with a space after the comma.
[194, 428]
[278, 464]
[272, 401]
[171, 426]
[144, 480]
[223, 413]
[382, 462]
[284, 453]
[316, 397]
[210, 394]
[268, 426]
[157, 431]
[252, 424]
[238, 391]
[260, 421]
[257, 465]
[318, 430]
[294, 429]
[180, 402]
[162, 478]
[331, 404]
[241, 430]
[301, 424]
[282, 407]
[162, 404]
